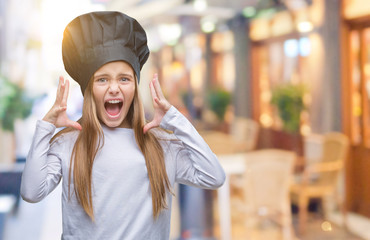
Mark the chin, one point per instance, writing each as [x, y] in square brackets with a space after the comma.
[114, 123]
[111, 125]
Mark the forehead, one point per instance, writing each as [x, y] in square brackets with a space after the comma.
[116, 67]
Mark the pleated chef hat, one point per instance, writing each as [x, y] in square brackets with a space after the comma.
[94, 39]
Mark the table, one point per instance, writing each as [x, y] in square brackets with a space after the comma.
[222, 143]
[233, 164]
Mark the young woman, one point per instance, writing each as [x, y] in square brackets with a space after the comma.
[118, 172]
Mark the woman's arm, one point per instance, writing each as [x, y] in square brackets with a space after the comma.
[196, 164]
[42, 171]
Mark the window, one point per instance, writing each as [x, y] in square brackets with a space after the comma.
[278, 62]
[360, 85]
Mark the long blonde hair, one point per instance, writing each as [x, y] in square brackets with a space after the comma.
[91, 139]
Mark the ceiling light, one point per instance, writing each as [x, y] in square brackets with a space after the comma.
[291, 48]
[208, 24]
[305, 26]
[249, 12]
[170, 33]
[304, 45]
[200, 5]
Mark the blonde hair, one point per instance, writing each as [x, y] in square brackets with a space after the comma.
[91, 139]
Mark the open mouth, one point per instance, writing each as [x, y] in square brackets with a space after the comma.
[113, 107]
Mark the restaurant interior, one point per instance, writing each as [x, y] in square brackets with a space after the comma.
[279, 89]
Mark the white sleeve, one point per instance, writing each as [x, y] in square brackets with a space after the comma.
[42, 171]
[196, 164]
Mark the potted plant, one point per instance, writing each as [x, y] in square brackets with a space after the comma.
[218, 100]
[14, 104]
[288, 99]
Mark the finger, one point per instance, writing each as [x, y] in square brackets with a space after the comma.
[157, 87]
[74, 124]
[60, 91]
[164, 104]
[65, 93]
[152, 91]
[56, 112]
[61, 109]
[149, 126]
[159, 102]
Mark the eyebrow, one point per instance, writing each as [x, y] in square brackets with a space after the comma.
[101, 75]
[126, 75]
[120, 74]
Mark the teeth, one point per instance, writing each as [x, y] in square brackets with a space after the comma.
[114, 101]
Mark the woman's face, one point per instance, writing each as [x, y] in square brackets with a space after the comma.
[113, 91]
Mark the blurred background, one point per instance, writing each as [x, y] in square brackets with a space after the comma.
[280, 90]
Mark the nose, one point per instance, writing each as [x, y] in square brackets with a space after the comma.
[113, 87]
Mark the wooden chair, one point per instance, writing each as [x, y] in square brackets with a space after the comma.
[268, 176]
[221, 143]
[320, 178]
[245, 131]
[242, 137]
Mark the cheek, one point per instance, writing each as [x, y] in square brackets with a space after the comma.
[132, 94]
[129, 93]
[98, 93]
[95, 94]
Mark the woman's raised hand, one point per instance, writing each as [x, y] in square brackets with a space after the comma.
[57, 115]
[160, 104]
